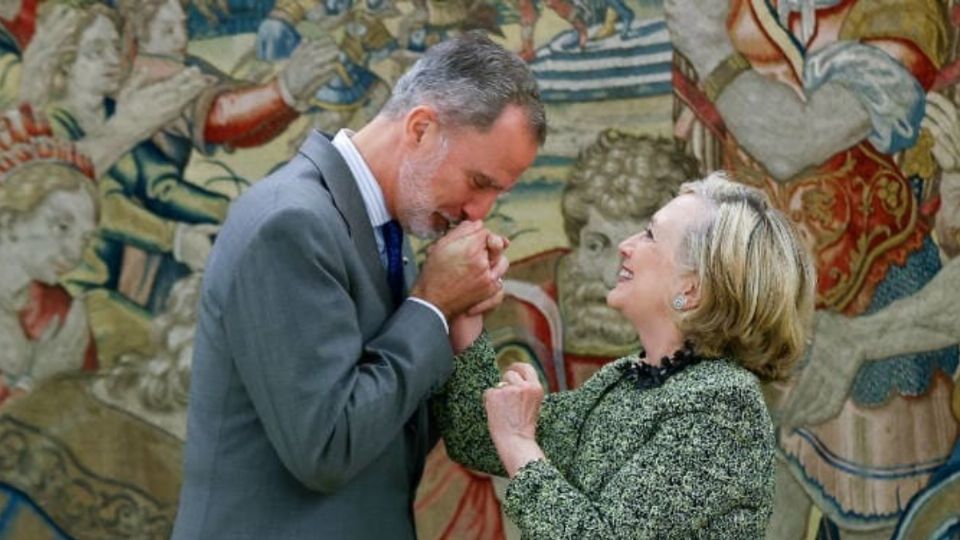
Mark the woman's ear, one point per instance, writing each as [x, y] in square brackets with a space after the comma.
[690, 290]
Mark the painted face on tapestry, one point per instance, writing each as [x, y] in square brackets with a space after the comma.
[649, 275]
[587, 275]
[456, 174]
[98, 67]
[49, 240]
[167, 32]
[600, 238]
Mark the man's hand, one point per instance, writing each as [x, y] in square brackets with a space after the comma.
[466, 328]
[457, 274]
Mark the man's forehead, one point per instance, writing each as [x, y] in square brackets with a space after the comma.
[498, 168]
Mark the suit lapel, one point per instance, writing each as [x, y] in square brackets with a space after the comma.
[346, 197]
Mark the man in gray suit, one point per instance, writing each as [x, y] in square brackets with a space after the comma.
[313, 364]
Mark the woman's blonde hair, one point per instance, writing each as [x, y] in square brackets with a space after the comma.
[757, 279]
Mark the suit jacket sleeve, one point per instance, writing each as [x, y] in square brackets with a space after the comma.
[329, 401]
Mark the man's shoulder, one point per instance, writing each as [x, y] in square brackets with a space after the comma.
[294, 186]
[291, 202]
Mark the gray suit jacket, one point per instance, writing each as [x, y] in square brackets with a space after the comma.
[307, 415]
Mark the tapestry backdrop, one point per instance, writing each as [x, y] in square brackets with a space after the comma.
[130, 125]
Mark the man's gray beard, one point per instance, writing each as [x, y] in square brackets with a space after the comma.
[417, 204]
[589, 324]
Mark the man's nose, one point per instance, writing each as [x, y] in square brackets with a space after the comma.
[477, 208]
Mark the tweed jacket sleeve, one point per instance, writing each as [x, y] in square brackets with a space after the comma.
[691, 459]
[458, 409]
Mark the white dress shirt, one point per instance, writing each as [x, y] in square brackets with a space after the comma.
[373, 201]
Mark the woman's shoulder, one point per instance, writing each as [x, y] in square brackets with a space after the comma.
[609, 373]
[719, 372]
[717, 385]
[709, 383]
[715, 374]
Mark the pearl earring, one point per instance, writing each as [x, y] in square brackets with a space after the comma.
[679, 302]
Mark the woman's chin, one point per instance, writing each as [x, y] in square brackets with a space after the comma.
[613, 299]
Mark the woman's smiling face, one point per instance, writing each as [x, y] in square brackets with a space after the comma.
[650, 276]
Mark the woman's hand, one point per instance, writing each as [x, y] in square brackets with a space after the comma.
[513, 408]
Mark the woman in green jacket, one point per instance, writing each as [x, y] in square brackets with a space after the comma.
[676, 443]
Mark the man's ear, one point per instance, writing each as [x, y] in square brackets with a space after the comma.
[419, 125]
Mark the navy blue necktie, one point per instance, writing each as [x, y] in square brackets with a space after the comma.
[393, 242]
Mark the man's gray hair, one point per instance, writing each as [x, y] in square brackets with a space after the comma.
[470, 80]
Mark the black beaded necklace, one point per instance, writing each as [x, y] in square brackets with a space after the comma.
[646, 376]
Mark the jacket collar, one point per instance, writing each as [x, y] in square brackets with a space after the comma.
[336, 176]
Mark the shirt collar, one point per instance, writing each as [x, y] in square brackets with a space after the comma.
[369, 188]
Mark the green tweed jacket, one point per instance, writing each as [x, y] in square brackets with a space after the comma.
[693, 458]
